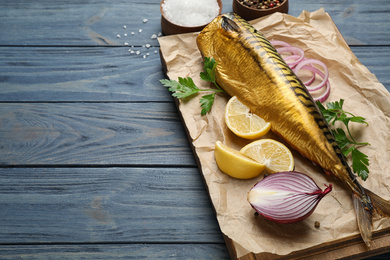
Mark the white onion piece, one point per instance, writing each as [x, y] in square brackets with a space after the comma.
[286, 197]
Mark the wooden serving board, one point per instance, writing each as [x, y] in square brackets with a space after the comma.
[351, 247]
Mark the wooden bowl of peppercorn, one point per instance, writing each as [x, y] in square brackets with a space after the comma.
[253, 9]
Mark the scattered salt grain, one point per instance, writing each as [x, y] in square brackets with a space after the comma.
[190, 13]
[155, 51]
[125, 34]
[140, 30]
[159, 34]
[132, 33]
[144, 56]
[147, 46]
[118, 36]
[154, 36]
[124, 26]
[145, 20]
[138, 52]
[126, 43]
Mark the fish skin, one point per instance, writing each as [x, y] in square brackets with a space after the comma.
[249, 67]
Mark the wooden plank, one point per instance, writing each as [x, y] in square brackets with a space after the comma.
[92, 134]
[80, 74]
[75, 23]
[121, 251]
[360, 22]
[105, 205]
[348, 248]
[377, 61]
[124, 251]
[109, 74]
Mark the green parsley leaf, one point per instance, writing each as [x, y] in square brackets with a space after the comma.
[334, 112]
[360, 163]
[209, 67]
[358, 119]
[206, 103]
[182, 89]
[185, 87]
[341, 138]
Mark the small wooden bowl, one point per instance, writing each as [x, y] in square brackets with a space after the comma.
[170, 28]
[251, 13]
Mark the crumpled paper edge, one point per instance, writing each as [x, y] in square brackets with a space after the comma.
[306, 31]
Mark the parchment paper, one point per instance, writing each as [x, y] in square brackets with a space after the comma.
[317, 35]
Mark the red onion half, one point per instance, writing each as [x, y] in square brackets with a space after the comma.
[286, 197]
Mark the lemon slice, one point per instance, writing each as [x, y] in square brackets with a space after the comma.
[234, 164]
[274, 155]
[242, 122]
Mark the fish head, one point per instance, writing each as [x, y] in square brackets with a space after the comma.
[221, 30]
[224, 23]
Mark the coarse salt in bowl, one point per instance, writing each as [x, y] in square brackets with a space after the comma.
[182, 16]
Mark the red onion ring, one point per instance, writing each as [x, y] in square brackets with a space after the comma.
[300, 62]
[294, 57]
[324, 96]
[279, 43]
[313, 69]
[296, 51]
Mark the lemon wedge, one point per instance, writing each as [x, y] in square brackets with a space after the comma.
[274, 155]
[234, 164]
[242, 122]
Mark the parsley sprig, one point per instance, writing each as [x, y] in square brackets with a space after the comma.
[185, 87]
[334, 112]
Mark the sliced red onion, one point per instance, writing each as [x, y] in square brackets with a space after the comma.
[279, 43]
[300, 62]
[297, 52]
[315, 70]
[313, 76]
[325, 95]
[286, 197]
[324, 83]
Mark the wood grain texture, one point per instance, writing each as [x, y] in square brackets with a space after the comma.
[92, 134]
[377, 61]
[348, 248]
[33, 74]
[75, 23]
[94, 159]
[353, 18]
[110, 205]
[116, 251]
[78, 23]
[80, 74]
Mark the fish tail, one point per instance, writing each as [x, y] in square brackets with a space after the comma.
[365, 205]
[382, 206]
[363, 211]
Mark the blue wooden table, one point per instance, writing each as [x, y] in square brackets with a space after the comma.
[94, 159]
